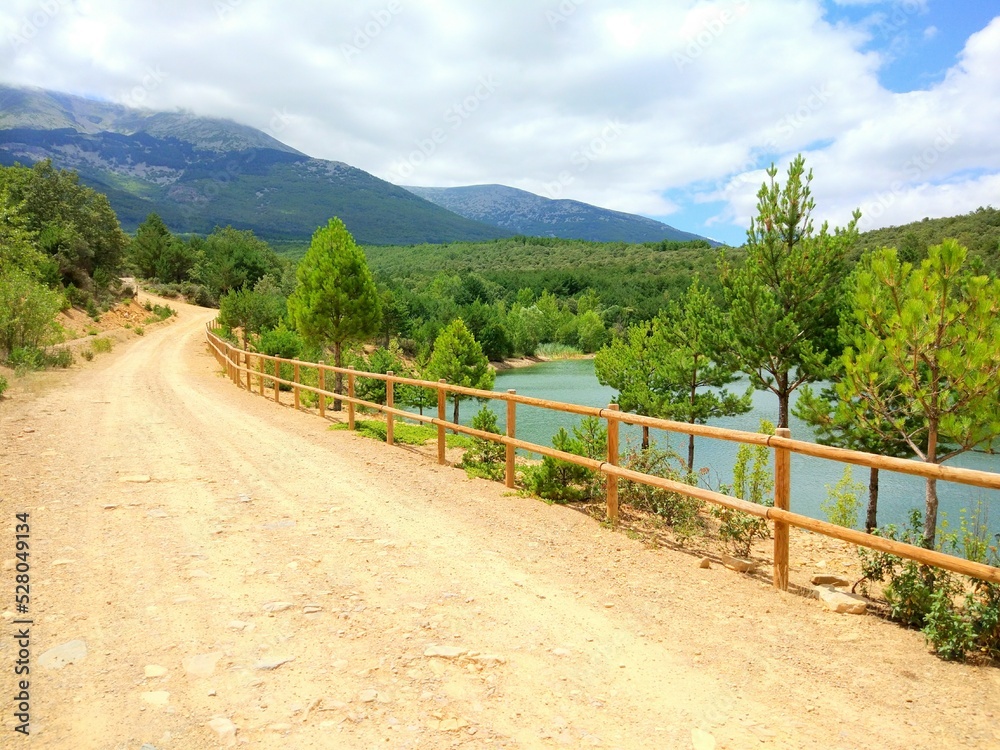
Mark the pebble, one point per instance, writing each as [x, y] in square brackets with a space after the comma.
[28, 430]
[705, 563]
[237, 625]
[368, 696]
[311, 609]
[280, 727]
[136, 478]
[154, 670]
[702, 740]
[59, 656]
[225, 729]
[278, 606]
[826, 579]
[445, 652]
[201, 665]
[270, 664]
[739, 564]
[156, 698]
[560, 651]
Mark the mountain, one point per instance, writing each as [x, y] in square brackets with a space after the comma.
[534, 216]
[198, 173]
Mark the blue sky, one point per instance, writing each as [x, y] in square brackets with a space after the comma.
[667, 108]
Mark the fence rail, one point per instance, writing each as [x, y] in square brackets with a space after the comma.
[244, 367]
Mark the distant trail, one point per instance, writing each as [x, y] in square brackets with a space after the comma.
[314, 589]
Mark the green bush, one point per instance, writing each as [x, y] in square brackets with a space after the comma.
[752, 481]
[284, 343]
[101, 345]
[485, 458]
[140, 331]
[87, 354]
[26, 358]
[843, 501]
[27, 313]
[3, 385]
[680, 512]
[564, 481]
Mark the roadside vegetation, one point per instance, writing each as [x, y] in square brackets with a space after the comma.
[905, 338]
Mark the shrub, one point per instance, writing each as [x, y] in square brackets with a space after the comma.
[752, 481]
[843, 501]
[3, 385]
[140, 331]
[485, 458]
[101, 345]
[679, 511]
[27, 313]
[87, 354]
[281, 342]
[563, 481]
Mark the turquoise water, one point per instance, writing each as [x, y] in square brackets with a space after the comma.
[573, 381]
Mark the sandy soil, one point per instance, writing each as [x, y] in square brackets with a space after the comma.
[314, 589]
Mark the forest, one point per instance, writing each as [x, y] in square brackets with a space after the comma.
[900, 325]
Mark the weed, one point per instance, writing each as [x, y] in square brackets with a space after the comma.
[752, 482]
[843, 501]
[140, 331]
[678, 511]
[485, 458]
[101, 345]
[3, 385]
[87, 354]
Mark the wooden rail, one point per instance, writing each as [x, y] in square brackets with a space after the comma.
[238, 362]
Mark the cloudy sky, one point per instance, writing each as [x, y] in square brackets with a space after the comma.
[667, 108]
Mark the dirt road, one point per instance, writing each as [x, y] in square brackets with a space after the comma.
[314, 589]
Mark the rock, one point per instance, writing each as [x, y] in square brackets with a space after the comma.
[826, 579]
[841, 601]
[452, 725]
[156, 513]
[59, 656]
[445, 652]
[110, 506]
[225, 729]
[28, 430]
[368, 696]
[702, 740]
[198, 574]
[705, 563]
[237, 625]
[278, 606]
[311, 609]
[274, 663]
[280, 727]
[154, 670]
[739, 564]
[560, 651]
[136, 478]
[243, 498]
[489, 659]
[202, 665]
[156, 698]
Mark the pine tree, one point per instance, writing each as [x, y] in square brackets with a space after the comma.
[785, 298]
[336, 300]
[458, 359]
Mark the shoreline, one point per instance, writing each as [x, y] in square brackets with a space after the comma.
[515, 363]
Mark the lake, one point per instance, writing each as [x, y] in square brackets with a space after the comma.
[573, 381]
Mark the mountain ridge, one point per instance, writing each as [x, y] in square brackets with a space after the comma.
[533, 215]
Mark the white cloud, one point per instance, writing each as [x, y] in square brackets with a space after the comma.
[614, 105]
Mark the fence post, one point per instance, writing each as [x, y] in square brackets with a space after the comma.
[511, 433]
[295, 390]
[260, 374]
[612, 481]
[277, 374]
[441, 410]
[322, 387]
[390, 418]
[350, 392]
[782, 492]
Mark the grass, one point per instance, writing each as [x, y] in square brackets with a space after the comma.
[407, 434]
[101, 346]
[160, 312]
[557, 351]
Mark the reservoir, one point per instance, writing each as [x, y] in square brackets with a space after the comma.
[573, 381]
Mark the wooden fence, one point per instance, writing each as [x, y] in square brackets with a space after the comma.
[245, 368]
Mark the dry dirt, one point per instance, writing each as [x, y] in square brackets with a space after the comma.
[552, 630]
